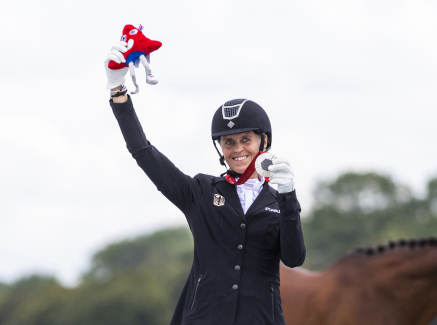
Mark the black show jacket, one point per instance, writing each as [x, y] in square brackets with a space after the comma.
[234, 279]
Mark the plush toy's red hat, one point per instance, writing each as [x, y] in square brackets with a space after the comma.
[138, 45]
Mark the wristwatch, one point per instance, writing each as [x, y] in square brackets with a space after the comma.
[119, 92]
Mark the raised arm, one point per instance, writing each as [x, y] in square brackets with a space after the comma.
[180, 189]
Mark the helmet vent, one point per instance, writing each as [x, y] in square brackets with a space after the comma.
[232, 108]
[231, 111]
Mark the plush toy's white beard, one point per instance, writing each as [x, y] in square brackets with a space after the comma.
[263, 162]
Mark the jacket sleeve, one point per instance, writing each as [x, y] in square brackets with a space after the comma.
[180, 189]
[291, 237]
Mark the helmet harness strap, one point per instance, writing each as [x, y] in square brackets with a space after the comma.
[222, 158]
[261, 145]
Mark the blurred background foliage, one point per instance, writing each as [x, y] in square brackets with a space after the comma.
[364, 210]
[138, 281]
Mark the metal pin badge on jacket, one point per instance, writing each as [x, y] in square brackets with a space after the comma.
[219, 200]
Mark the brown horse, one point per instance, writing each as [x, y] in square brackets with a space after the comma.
[394, 284]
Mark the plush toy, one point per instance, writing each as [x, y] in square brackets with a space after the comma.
[139, 48]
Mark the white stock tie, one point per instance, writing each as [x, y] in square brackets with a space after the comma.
[249, 191]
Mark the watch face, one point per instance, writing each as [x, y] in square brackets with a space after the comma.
[263, 162]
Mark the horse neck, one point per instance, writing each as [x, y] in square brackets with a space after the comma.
[408, 276]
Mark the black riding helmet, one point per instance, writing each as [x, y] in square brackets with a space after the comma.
[238, 116]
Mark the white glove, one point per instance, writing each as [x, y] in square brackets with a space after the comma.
[116, 77]
[284, 176]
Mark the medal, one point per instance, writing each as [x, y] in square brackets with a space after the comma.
[262, 164]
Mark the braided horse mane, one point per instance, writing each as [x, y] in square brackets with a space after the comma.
[394, 283]
[411, 243]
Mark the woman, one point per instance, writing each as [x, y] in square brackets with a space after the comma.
[240, 231]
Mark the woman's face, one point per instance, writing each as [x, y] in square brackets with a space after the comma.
[240, 149]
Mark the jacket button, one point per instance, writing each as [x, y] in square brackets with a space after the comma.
[243, 225]
[235, 287]
[237, 267]
[240, 247]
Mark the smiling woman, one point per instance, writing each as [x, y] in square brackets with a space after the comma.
[240, 149]
[241, 226]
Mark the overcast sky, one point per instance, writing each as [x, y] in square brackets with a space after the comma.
[348, 85]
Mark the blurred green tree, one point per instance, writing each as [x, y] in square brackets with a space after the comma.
[33, 300]
[173, 245]
[135, 297]
[168, 252]
[4, 289]
[134, 281]
[364, 210]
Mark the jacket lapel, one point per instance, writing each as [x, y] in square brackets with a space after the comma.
[265, 198]
[230, 193]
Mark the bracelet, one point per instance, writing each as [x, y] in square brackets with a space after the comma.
[120, 92]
